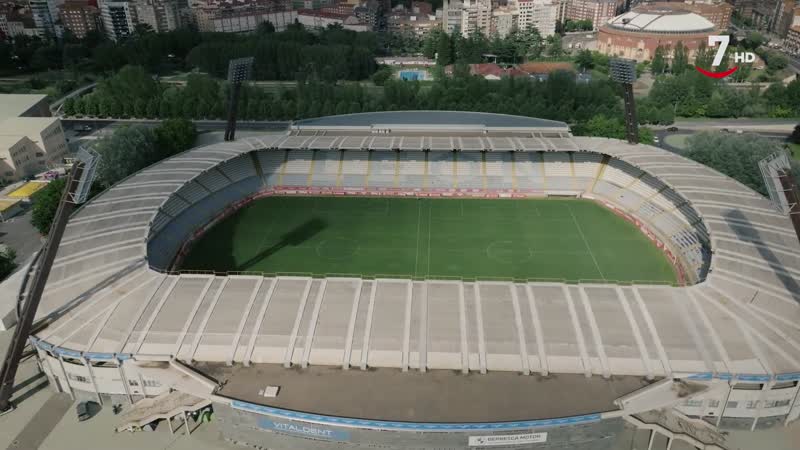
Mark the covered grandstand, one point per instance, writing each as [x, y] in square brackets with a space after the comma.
[724, 346]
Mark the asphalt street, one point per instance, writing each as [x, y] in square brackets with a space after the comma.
[20, 235]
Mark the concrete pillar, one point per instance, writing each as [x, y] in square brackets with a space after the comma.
[124, 381]
[91, 378]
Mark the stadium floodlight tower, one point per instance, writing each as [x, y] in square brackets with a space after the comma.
[76, 191]
[239, 71]
[781, 186]
[623, 71]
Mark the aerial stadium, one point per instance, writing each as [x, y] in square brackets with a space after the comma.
[430, 280]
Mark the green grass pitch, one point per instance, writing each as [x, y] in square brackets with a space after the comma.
[536, 239]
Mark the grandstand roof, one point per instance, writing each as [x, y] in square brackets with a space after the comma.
[103, 299]
[430, 118]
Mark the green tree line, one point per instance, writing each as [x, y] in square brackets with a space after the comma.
[332, 53]
[133, 93]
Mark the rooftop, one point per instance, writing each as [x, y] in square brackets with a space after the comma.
[389, 394]
[14, 105]
[6, 142]
[430, 118]
[26, 126]
[662, 21]
[28, 189]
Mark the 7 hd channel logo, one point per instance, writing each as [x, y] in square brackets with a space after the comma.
[738, 57]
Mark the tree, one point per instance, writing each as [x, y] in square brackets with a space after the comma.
[152, 108]
[554, 47]
[265, 28]
[140, 108]
[69, 106]
[383, 74]
[174, 136]
[584, 60]
[431, 43]
[753, 40]
[659, 65]
[602, 126]
[736, 156]
[795, 137]
[129, 149]
[704, 57]
[7, 263]
[680, 60]
[45, 204]
[444, 50]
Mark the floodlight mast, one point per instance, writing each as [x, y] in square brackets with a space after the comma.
[623, 71]
[776, 171]
[76, 192]
[238, 72]
[792, 193]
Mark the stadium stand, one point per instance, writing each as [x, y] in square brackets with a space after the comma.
[113, 296]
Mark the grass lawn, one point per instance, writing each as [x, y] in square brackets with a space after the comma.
[432, 238]
[678, 141]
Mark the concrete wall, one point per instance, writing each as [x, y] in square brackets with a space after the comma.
[258, 431]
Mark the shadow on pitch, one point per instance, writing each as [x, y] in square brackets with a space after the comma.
[293, 238]
[739, 223]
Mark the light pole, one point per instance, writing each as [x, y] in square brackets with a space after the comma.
[623, 71]
[76, 191]
[239, 71]
[776, 170]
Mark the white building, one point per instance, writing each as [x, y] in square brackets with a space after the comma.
[119, 18]
[45, 15]
[542, 14]
[476, 15]
[451, 16]
[318, 19]
[29, 143]
[161, 15]
[245, 21]
[504, 19]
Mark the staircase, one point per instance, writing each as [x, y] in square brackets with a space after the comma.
[669, 430]
[163, 407]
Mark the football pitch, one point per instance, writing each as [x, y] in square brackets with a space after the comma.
[533, 239]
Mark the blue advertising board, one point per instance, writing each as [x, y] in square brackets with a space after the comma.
[306, 430]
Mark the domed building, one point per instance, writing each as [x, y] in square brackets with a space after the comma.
[637, 34]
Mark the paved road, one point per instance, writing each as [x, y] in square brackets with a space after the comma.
[19, 234]
[776, 126]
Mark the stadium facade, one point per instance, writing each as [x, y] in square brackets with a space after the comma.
[428, 363]
[638, 33]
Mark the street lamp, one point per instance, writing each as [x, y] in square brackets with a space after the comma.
[239, 71]
[776, 171]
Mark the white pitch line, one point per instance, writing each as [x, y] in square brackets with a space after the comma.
[591, 253]
[416, 248]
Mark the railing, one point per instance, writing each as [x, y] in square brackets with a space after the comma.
[402, 276]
